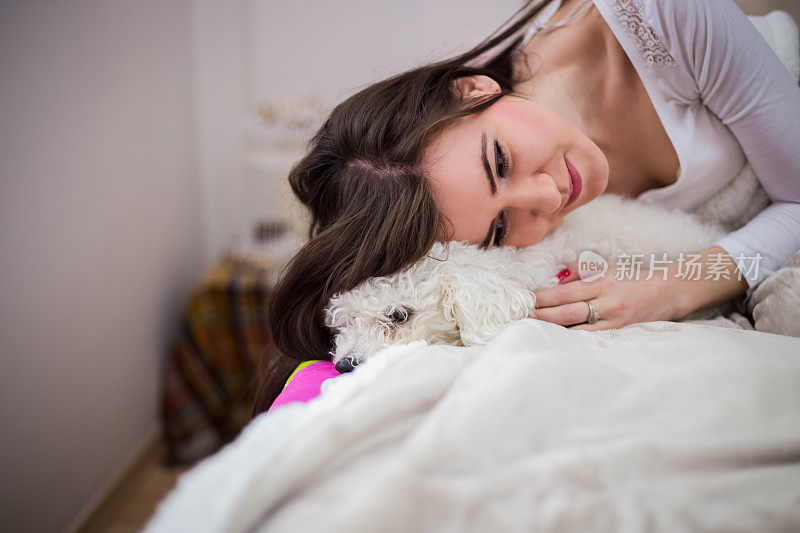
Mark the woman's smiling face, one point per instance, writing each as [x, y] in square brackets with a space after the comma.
[501, 176]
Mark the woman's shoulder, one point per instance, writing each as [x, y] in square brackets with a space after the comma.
[656, 28]
[677, 10]
[683, 26]
[692, 35]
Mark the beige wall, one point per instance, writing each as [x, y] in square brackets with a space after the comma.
[760, 7]
[100, 218]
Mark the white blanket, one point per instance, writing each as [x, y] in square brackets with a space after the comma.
[659, 427]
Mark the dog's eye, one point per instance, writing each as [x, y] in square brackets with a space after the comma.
[401, 315]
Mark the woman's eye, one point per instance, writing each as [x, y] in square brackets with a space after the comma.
[500, 230]
[500, 160]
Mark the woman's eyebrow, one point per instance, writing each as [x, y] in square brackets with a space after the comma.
[486, 166]
[489, 176]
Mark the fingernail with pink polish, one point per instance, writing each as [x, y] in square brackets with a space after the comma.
[563, 274]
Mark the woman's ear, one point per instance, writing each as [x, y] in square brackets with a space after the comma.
[477, 85]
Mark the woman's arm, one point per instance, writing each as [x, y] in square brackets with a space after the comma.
[741, 80]
[718, 280]
[773, 236]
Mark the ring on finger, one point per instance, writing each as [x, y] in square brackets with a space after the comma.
[594, 316]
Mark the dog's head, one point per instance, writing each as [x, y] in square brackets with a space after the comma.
[457, 294]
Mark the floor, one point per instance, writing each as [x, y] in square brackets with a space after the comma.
[132, 503]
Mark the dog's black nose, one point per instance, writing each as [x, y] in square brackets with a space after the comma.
[346, 365]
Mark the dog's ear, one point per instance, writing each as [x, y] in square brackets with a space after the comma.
[481, 302]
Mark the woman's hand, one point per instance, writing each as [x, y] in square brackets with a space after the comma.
[620, 300]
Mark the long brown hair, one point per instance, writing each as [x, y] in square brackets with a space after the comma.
[371, 204]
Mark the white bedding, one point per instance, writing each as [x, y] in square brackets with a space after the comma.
[658, 426]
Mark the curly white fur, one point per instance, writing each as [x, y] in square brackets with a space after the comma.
[462, 295]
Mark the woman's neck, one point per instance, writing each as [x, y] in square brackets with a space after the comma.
[581, 72]
[570, 67]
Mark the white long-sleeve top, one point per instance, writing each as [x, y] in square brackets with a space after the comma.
[724, 98]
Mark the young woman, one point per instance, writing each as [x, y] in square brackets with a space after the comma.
[663, 101]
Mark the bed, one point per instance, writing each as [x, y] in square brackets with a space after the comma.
[658, 426]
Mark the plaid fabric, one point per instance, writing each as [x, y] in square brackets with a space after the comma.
[210, 377]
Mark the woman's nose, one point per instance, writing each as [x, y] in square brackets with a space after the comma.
[538, 193]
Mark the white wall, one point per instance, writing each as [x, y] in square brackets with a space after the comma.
[100, 239]
[331, 48]
[222, 101]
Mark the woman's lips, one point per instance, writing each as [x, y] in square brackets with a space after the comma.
[575, 183]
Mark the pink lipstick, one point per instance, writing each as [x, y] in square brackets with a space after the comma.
[575, 182]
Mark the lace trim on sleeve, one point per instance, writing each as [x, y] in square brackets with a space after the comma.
[631, 15]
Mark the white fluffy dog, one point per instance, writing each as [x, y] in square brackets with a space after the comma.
[462, 295]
